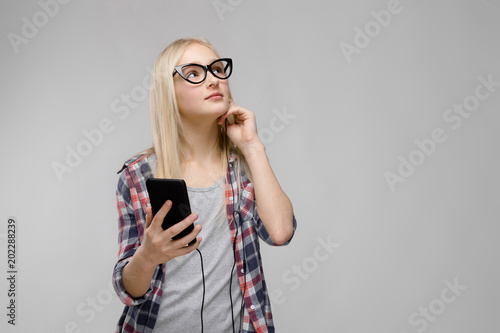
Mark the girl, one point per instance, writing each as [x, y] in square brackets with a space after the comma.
[203, 137]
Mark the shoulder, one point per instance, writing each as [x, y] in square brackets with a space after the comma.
[136, 170]
[238, 173]
[239, 167]
[140, 161]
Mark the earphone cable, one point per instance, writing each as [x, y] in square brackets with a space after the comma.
[234, 242]
[203, 299]
[236, 235]
[231, 280]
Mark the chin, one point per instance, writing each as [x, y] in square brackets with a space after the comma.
[221, 107]
[214, 112]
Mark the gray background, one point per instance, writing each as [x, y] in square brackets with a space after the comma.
[393, 252]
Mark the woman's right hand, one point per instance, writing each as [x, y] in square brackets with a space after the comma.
[158, 246]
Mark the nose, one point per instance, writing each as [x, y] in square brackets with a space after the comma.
[211, 80]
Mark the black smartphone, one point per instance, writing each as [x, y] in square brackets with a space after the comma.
[175, 190]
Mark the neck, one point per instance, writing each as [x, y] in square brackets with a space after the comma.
[203, 138]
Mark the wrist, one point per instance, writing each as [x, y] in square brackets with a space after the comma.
[143, 260]
[253, 148]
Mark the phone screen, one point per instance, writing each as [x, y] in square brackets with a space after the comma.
[161, 190]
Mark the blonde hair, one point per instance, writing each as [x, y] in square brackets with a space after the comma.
[170, 144]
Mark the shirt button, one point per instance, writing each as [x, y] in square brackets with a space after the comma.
[231, 198]
[252, 307]
[242, 271]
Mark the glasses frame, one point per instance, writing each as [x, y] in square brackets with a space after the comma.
[178, 70]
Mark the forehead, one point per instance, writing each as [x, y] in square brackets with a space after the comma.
[198, 54]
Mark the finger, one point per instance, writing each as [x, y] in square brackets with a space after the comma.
[233, 108]
[187, 248]
[230, 118]
[179, 227]
[193, 235]
[240, 114]
[149, 216]
[160, 215]
[223, 118]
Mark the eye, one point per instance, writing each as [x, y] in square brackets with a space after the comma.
[192, 71]
[217, 69]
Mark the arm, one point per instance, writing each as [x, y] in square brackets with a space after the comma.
[138, 260]
[273, 206]
[157, 247]
[137, 275]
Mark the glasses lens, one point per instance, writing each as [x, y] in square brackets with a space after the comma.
[193, 73]
[221, 69]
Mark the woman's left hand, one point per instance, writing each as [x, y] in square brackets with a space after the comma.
[243, 133]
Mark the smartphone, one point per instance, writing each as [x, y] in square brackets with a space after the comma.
[175, 190]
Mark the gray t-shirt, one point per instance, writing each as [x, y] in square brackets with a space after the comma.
[183, 285]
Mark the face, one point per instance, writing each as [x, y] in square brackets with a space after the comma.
[209, 99]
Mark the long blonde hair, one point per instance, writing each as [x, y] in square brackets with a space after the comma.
[170, 144]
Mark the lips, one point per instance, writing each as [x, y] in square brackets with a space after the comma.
[215, 96]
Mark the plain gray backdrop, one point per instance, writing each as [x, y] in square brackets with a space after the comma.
[380, 120]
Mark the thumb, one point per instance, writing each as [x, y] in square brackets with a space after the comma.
[149, 216]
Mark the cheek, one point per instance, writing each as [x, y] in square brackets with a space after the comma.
[225, 90]
[185, 98]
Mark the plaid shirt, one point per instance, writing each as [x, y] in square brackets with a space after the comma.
[132, 197]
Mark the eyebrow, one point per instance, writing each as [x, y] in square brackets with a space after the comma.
[198, 63]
